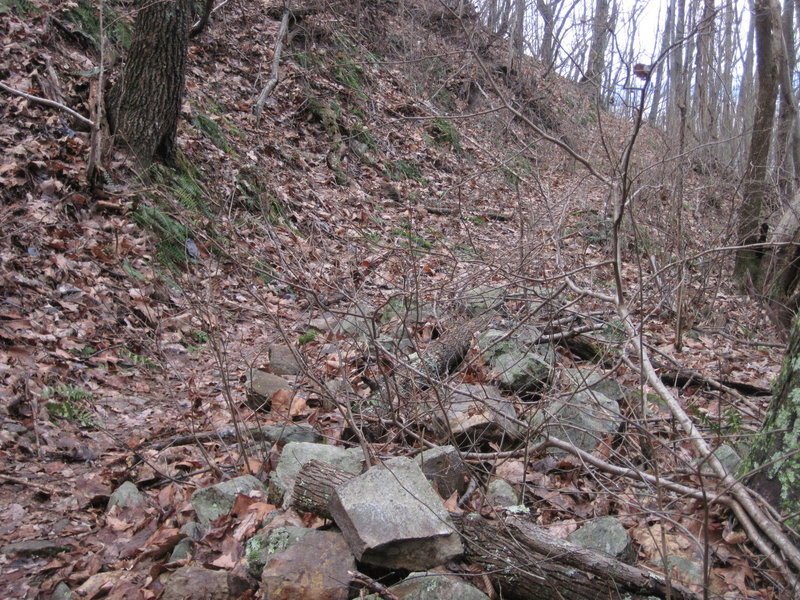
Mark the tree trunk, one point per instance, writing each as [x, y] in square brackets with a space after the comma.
[597, 51]
[547, 50]
[666, 40]
[752, 229]
[145, 103]
[774, 456]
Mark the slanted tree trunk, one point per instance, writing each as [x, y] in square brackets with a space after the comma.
[146, 101]
[751, 228]
[774, 458]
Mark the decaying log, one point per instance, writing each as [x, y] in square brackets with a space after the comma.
[314, 486]
[527, 562]
[522, 558]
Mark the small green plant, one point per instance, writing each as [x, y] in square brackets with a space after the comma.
[137, 360]
[171, 235]
[66, 402]
[86, 17]
[21, 8]
[308, 337]
[413, 237]
[212, 130]
[444, 133]
[402, 169]
[84, 352]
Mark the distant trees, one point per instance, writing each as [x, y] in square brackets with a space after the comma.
[145, 102]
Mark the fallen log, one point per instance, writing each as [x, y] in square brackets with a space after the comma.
[523, 559]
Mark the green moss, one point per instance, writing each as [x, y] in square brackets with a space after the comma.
[21, 8]
[84, 14]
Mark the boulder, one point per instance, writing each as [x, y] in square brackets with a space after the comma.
[315, 567]
[605, 535]
[211, 502]
[296, 454]
[392, 518]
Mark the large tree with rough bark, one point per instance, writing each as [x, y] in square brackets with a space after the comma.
[774, 458]
[145, 103]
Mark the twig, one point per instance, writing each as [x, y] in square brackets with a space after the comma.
[36, 486]
[276, 59]
[46, 102]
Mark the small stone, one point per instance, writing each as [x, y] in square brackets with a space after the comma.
[500, 493]
[126, 495]
[605, 535]
[283, 361]
[211, 502]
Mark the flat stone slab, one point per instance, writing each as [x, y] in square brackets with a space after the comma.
[315, 567]
[197, 583]
[296, 454]
[391, 517]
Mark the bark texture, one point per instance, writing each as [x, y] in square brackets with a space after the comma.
[774, 454]
[145, 103]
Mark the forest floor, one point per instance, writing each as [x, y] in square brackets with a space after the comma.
[352, 188]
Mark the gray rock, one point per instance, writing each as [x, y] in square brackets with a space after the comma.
[197, 583]
[483, 299]
[316, 567]
[605, 535]
[474, 413]
[391, 517]
[211, 502]
[581, 379]
[521, 366]
[584, 420]
[126, 495]
[688, 572]
[283, 361]
[62, 592]
[433, 586]
[501, 493]
[265, 384]
[260, 547]
[296, 454]
[446, 470]
[183, 549]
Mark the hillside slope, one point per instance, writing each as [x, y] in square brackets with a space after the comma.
[396, 164]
